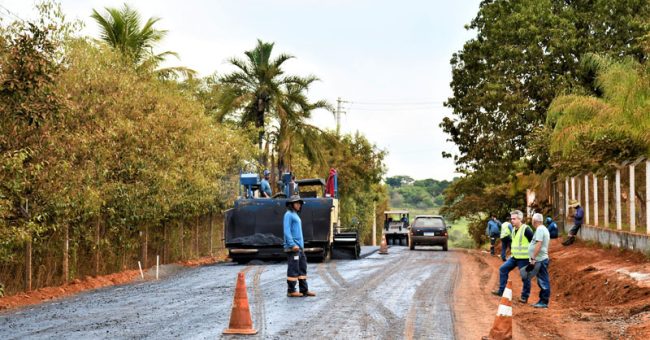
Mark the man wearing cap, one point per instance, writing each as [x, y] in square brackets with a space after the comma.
[265, 187]
[538, 253]
[493, 231]
[578, 217]
[522, 235]
[294, 247]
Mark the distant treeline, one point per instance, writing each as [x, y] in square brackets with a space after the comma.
[407, 192]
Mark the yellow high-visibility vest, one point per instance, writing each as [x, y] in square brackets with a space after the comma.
[520, 243]
[505, 229]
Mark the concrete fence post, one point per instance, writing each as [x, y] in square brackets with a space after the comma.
[606, 201]
[632, 200]
[587, 219]
[619, 222]
[595, 200]
[566, 198]
[647, 196]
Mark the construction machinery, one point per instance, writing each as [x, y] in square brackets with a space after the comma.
[253, 227]
[396, 224]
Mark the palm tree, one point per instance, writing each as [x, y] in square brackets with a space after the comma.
[613, 127]
[260, 91]
[122, 30]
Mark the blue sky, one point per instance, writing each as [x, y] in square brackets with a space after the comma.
[388, 59]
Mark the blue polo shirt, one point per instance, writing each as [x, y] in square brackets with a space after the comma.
[292, 230]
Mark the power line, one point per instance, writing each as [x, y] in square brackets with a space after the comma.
[8, 11]
[399, 103]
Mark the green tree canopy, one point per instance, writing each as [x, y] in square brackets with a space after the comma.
[524, 54]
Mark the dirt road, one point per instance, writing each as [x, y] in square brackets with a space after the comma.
[405, 294]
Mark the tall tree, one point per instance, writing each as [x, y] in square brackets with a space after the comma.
[524, 54]
[122, 29]
[260, 91]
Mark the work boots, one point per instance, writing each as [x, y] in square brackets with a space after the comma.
[304, 289]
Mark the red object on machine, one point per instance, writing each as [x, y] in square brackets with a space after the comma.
[330, 187]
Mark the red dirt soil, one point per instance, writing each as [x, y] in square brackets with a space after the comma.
[87, 283]
[596, 293]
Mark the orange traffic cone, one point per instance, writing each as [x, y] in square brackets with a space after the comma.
[240, 317]
[502, 326]
[383, 247]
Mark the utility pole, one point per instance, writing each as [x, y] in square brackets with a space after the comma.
[338, 115]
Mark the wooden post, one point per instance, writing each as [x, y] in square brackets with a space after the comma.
[619, 222]
[66, 250]
[595, 200]
[211, 233]
[182, 243]
[587, 219]
[97, 240]
[606, 203]
[647, 196]
[164, 245]
[28, 263]
[145, 245]
[573, 188]
[566, 198]
[374, 223]
[196, 235]
[632, 199]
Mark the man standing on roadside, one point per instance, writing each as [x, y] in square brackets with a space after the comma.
[294, 246]
[552, 227]
[519, 259]
[493, 232]
[538, 253]
[506, 239]
[578, 217]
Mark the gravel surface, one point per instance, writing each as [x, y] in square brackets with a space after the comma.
[405, 294]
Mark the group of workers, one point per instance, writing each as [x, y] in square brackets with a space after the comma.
[503, 231]
[529, 249]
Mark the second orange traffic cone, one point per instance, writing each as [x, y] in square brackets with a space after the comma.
[383, 247]
[240, 317]
[502, 326]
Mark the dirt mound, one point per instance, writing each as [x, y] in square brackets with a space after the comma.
[596, 293]
[76, 286]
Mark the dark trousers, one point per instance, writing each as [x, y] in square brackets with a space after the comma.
[297, 271]
[493, 241]
[505, 243]
[544, 282]
[505, 269]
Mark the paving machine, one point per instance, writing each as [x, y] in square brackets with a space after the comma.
[253, 227]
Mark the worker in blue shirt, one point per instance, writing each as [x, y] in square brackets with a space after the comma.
[552, 227]
[493, 231]
[578, 219]
[265, 187]
[294, 246]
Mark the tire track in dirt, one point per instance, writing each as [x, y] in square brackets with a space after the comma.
[322, 272]
[331, 269]
[260, 308]
[346, 305]
[425, 305]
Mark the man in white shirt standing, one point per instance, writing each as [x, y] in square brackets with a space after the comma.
[538, 253]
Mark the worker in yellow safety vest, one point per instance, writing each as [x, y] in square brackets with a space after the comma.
[522, 235]
[506, 239]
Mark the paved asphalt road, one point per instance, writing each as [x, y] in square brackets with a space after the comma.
[405, 294]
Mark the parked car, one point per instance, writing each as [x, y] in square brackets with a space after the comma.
[429, 230]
